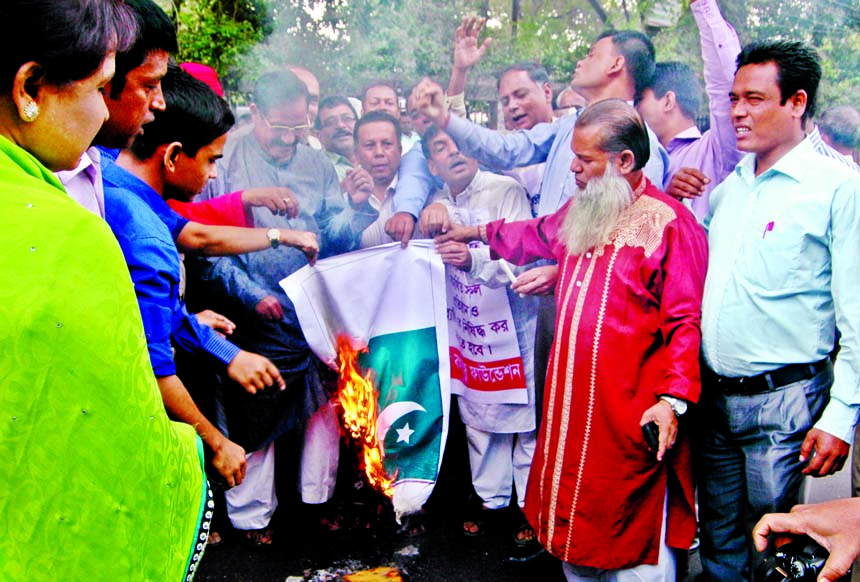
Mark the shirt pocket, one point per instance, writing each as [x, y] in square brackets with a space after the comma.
[771, 256]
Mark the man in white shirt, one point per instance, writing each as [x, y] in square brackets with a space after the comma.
[377, 151]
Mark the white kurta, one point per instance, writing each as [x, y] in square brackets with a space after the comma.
[490, 197]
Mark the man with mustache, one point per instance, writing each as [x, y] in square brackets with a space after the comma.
[245, 289]
[526, 97]
[335, 125]
[632, 264]
[414, 183]
[500, 434]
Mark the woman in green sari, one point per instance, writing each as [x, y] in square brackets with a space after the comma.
[95, 481]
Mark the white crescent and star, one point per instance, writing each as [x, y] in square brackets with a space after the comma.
[390, 414]
[403, 434]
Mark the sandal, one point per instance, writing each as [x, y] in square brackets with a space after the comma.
[526, 545]
[524, 534]
[214, 540]
[474, 527]
[259, 539]
[412, 526]
[526, 553]
[327, 516]
[480, 522]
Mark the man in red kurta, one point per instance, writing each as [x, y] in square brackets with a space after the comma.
[632, 269]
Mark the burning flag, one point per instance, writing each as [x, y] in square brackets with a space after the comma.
[391, 303]
[358, 400]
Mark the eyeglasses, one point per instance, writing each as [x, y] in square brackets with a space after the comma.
[287, 128]
[332, 122]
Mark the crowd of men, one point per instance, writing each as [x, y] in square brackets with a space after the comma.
[693, 285]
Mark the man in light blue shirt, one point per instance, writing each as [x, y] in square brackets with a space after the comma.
[783, 277]
[618, 65]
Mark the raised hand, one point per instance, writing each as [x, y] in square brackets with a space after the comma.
[430, 100]
[467, 50]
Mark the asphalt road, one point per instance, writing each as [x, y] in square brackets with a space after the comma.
[302, 552]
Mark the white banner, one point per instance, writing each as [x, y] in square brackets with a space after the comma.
[486, 364]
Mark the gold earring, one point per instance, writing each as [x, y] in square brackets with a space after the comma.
[30, 112]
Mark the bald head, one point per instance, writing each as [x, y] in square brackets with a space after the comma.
[313, 86]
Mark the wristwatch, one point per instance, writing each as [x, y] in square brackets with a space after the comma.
[274, 236]
[679, 405]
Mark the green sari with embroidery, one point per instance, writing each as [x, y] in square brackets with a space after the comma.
[96, 483]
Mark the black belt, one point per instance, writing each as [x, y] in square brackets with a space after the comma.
[764, 382]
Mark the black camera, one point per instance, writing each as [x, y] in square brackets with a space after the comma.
[801, 561]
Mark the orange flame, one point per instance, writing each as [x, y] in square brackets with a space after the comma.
[358, 398]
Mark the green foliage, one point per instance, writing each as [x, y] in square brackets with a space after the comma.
[831, 26]
[547, 40]
[350, 42]
[218, 32]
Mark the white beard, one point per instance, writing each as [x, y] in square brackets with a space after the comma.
[595, 211]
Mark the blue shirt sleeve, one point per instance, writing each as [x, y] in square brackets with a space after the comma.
[414, 182]
[192, 335]
[154, 286]
[153, 263]
[165, 318]
[504, 151]
[173, 221]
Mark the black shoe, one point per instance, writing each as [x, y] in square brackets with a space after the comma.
[526, 552]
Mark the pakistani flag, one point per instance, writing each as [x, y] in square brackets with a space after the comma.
[392, 300]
